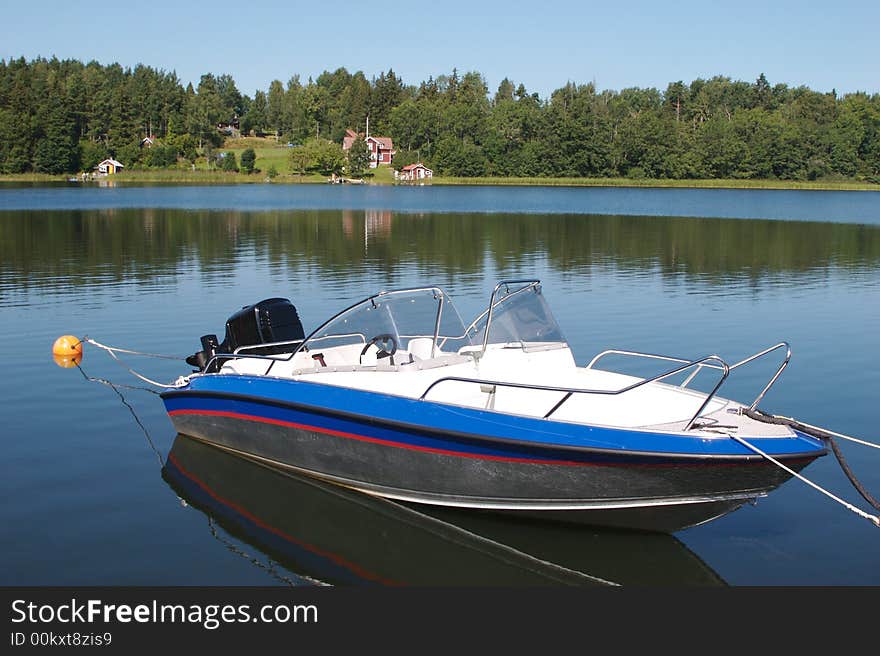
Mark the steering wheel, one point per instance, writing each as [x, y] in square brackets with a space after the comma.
[385, 351]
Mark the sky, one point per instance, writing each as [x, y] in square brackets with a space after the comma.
[543, 44]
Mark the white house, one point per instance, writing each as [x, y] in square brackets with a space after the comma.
[109, 167]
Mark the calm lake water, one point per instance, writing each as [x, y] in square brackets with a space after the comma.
[684, 272]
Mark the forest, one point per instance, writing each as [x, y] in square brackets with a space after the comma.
[63, 116]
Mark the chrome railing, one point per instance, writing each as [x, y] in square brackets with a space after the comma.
[699, 368]
[249, 347]
[569, 391]
[710, 361]
[775, 376]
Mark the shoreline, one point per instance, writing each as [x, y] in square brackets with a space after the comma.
[219, 177]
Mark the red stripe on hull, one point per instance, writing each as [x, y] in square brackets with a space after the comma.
[461, 454]
[374, 440]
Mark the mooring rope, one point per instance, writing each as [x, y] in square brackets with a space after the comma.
[851, 476]
[270, 568]
[816, 431]
[823, 434]
[114, 387]
[872, 518]
[164, 356]
[112, 350]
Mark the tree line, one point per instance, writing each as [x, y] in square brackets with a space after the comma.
[61, 116]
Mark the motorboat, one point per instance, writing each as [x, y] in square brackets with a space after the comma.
[301, 531]
[397, 397]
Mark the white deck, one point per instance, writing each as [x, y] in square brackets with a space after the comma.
[654, 406]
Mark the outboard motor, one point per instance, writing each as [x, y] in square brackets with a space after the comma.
[270, 320]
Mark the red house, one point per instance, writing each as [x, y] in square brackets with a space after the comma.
[381, 148]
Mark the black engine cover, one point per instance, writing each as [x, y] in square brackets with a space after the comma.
[270, 320]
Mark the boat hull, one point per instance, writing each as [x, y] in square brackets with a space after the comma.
[389, 453]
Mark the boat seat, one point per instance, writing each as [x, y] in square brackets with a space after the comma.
[421, 348]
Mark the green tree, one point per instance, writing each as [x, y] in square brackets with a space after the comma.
[91, 154]
[299, 159]
[228, 162]
[388, 92]
[316, 101]
[358, 158]
[230, 97]
[762, 94]
[405, 158]
[275, 107]
[319, 156]
[185, 145]
[15, 142]
[161, 156]
[205, 111]
[248, 160]
[330, 158]
[674, 98]
[505, 91]
[854, 131]
[295, 123]
[57, 151]
[460, 158]
[415, 123]
[721, 151]
[256, 116]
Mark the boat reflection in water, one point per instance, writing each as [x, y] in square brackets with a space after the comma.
[325, 533]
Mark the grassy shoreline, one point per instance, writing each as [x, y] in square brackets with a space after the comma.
[200, 176]
[658, 183]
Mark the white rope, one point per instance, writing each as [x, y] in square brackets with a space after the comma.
[872, 518]
[830, 432]
[111, 350]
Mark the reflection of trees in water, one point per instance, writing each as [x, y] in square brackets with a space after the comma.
[76, 247]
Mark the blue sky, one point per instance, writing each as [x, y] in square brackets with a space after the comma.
[541, 44]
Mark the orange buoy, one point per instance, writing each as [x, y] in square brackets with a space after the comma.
[67, 361]
[67, 346]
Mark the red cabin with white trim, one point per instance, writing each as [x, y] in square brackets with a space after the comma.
[381, 148]
[413, 172]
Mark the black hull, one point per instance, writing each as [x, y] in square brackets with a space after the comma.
[665, 496]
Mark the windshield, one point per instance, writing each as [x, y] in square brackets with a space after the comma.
[425, 315]
[519, 315]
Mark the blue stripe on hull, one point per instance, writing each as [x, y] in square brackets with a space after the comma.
[467, 432]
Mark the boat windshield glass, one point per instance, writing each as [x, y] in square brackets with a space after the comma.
[519, 316]
[423, 315]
